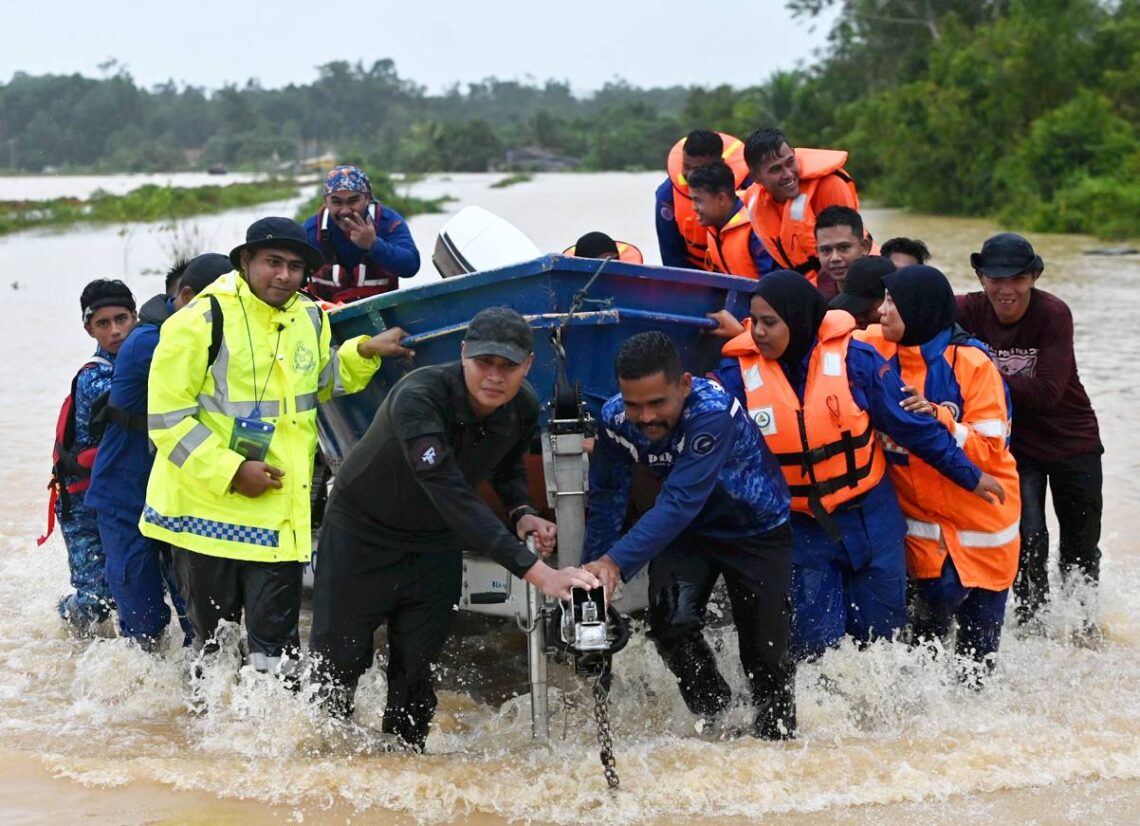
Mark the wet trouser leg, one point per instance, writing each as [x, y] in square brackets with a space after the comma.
[269, 593]
[1078, 502]
[681, 580]
[1031, 587]
[819, 604]
[758, 575]
[360, 585]
[134, 575]
[272, 615]
[980, 613]
[92, 601]
[876, 588]
[170, 578]
[417, 631]
[757, 572]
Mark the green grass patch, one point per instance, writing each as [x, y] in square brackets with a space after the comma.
[511, 180]
[145, 204]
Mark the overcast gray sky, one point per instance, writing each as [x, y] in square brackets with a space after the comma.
[212, 42]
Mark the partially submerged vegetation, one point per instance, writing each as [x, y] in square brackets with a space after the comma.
[511, 180]
[147, 203]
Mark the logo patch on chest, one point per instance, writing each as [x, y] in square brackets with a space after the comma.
[765, 420]
[304, 359]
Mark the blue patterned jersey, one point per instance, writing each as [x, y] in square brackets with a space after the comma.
[93, 382]
[718, 479]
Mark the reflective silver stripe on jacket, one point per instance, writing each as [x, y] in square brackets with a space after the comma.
[162, 421]
[198, 434]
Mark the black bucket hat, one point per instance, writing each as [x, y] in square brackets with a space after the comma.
[281, 233]
[1005, 255]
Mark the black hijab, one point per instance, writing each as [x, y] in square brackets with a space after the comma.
[800, 305]
[924, 300]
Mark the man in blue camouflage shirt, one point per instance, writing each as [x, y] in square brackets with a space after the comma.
[722, 510]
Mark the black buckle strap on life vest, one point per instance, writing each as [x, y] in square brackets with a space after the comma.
[811, 265]
[815, 503]
[125, 419]
[847, 444]
[850, 479]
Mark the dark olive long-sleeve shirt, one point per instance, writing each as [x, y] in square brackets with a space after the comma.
[410, 482]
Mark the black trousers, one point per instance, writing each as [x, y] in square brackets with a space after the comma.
[361, 585]
[757, 572]
[268, 593]
[1078, 502]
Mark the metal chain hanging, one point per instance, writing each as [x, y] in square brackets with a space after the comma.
[605, 738]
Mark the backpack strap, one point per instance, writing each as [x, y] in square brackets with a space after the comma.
[215, 330]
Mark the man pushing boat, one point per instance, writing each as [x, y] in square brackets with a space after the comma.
[404, 506]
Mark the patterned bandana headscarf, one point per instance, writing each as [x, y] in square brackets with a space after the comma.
[347, 179]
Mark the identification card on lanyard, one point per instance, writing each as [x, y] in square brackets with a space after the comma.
[251, 438]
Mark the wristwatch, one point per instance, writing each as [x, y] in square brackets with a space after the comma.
[518, 513]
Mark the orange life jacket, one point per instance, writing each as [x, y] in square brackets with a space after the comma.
[826, 446]
[729, 247]
[983, 539]
[695, 235]
[787, 228]
[626, 252]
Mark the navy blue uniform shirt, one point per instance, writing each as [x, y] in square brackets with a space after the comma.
[719, 479]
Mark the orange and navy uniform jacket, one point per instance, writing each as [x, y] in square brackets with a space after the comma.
[681, 238]
[822, 422]
[787, 228]
[983, 540]
[626, 252]
[349, 272]
[735, 249]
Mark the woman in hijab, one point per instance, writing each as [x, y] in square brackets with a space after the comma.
[821, 398]
[962, 553]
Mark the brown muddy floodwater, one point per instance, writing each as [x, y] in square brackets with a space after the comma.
[98, 730]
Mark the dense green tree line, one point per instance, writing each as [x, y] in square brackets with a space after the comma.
[1024, 109]
[1027, 109]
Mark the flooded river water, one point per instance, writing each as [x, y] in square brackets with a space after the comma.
[98, 729]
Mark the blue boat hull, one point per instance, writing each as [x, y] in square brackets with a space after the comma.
[595, 305]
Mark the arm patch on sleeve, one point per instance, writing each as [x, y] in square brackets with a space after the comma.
[702, 444]
[426, 453]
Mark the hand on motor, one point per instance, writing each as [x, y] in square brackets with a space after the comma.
[385, 344]
[606, 570]
[988, 485]
[359, 230]
[915, 403]
[727, 325]
[545, 533]
[254, 478]
[557, 582]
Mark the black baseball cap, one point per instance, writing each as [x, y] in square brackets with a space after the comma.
[1005, 255]
[499, 331]
[863, 285]
[279, 233]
